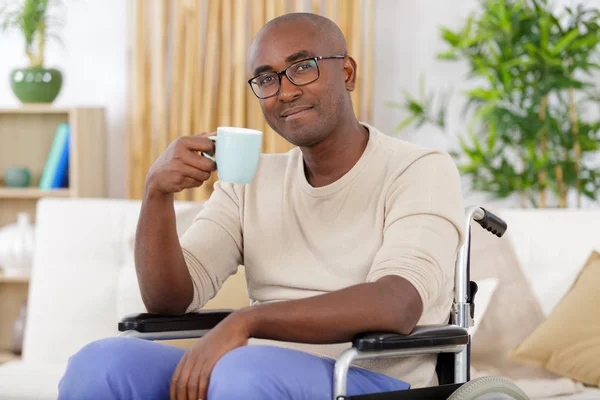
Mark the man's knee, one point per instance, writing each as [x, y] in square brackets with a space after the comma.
[94, 368]
[245, 373]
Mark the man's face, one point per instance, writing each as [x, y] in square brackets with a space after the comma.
[304, 115]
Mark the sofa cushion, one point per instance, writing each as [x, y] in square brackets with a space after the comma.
[568, 342]
[26, 381]
[83, 268]
[129, 298]
[513, 312]
[552, 245]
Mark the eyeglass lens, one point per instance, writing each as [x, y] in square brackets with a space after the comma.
[300, 73]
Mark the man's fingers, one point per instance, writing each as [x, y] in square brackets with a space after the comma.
[203, 381]
[199, 142]
[188, 183]
[176, 376]
[194, 173]
[199, 161]
[182, 383]
[193, 381]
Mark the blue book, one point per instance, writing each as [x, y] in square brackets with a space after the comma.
[56, 170]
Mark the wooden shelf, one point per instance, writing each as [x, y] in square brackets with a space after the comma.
[13, 279]
[6, 356]
[32, 193]
[33, 108]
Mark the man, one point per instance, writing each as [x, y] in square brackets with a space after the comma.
[351, 231]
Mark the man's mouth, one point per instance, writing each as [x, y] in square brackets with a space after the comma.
[295, 112]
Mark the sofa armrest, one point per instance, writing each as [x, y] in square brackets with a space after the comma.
[422, 336]
[146, 323]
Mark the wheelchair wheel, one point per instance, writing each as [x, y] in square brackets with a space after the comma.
[489, 388]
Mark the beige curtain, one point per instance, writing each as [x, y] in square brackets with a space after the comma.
[189, 71]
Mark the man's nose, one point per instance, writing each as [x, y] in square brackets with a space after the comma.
[288, 91]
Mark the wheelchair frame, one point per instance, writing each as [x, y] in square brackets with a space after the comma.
[445, 339]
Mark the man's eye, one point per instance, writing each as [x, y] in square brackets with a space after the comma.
[266, 80]
[304, 67]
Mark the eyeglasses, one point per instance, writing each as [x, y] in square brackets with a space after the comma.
[299, 73]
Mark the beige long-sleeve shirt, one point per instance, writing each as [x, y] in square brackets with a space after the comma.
[398, 211]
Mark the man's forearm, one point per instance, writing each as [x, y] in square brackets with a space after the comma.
[165, 283]
[391, 305]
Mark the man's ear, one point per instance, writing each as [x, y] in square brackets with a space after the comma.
[350, 73]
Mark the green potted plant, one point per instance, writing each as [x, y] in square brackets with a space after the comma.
[531, 101]
[34, 83]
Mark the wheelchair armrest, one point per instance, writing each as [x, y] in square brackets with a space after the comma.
[204, 319]
[421, 336]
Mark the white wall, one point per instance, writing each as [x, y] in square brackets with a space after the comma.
[408, 38]
[93, 60]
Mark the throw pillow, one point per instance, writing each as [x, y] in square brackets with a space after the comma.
[568, 342]
[552, 245]
[513, 312]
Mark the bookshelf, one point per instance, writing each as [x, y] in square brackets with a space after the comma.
[32, 193]
[26, 136]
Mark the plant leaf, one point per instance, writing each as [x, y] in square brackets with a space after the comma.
[565, 41]
[404, 124]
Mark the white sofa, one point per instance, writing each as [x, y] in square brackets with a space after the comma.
[84, 280]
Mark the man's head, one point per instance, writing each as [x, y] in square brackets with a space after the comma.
[304, 114]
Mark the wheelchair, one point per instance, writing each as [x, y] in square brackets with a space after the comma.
[451, 341]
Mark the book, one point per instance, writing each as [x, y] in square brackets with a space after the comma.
[56, 170]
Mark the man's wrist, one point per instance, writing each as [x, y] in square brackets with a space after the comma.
[152, 194]
[246, 320]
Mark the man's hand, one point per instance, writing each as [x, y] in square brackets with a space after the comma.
[182, 166]
[190, 379]
[391, 304]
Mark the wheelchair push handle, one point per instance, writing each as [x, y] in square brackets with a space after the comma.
[492, 223]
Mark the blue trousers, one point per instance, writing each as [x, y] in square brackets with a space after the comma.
[127, 368]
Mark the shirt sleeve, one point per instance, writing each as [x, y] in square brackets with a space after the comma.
[423, 229]
[213, 245]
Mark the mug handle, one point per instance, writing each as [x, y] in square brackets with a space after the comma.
[214, 139]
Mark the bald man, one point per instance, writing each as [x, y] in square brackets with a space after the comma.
[349, 232]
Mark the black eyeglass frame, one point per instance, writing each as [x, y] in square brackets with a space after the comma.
[284, 71]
